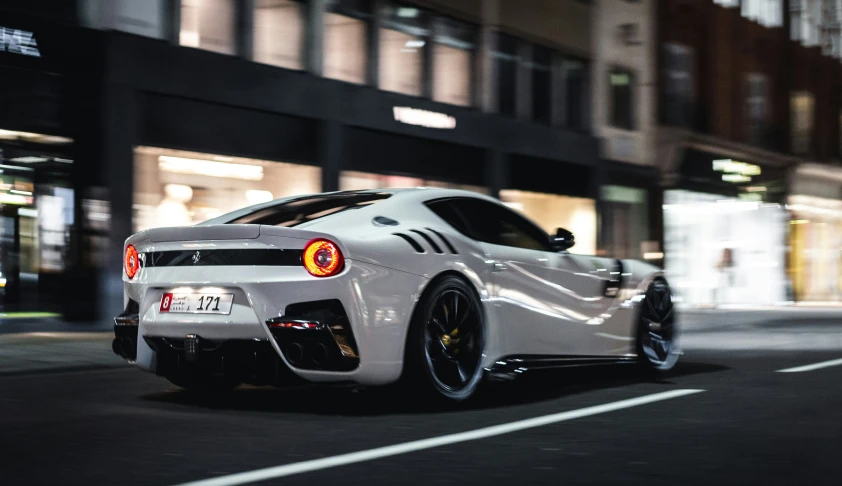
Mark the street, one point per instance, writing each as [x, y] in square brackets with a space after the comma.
[725, 415]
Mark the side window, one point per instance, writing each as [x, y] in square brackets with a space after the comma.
[491, 223]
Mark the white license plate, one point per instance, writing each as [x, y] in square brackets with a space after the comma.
[196, 303]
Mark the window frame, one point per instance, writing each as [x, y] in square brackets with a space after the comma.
[519, 221]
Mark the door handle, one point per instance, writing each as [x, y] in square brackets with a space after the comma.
[497, 267]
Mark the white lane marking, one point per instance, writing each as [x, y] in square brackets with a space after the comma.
[418, 445]
[811, 367]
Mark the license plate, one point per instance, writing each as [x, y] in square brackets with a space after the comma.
[197, 303]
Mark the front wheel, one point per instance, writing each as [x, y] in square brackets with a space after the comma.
[657, 339]
[446, 341]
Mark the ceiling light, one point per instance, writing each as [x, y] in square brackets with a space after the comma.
[29, 159]
[181, 165]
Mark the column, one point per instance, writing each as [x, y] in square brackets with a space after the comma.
[314, 37]
[245, 29]
[484, 86]
[329, 154]
[496, 172]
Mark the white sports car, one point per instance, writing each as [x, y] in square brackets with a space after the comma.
[433, 287]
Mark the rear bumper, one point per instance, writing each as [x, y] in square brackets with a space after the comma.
[378, 303]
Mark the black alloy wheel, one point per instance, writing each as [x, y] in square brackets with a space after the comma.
[446, 341]
[657, 337]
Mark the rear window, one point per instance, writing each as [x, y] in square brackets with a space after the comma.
[310, 208]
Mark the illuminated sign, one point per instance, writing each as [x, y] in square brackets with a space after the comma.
[735, 171]
[423, 118]
[18, 42]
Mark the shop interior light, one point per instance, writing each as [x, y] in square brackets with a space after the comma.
[654, 255]
[756, 188]
[211, 168]
[254, 196]
[33, 137]
[735, 178]
[29, 159]
[6, 198]
[799, 221]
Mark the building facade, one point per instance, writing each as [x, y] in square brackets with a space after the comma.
[745, 100]
[175, 111]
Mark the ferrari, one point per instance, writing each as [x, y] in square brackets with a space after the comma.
[437, 289]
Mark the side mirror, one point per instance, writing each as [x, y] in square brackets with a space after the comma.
[563, 240]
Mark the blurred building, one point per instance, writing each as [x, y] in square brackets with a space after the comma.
[748, 94]
[170, 112]
[624, 95]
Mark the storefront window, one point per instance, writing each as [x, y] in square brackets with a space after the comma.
[723, 250]
[624, 221]
[452, 62]
[355, 181]
[403, 39]
[802, 107]
[36, 219]
[815, 238]
[279, 33]
[175, 188]
[551, 211]
[346, 34]
[209, 25]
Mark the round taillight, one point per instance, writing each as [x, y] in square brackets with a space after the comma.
[322, 258]
[131, 262]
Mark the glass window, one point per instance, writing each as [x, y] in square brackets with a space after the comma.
[506, 61]
[303, 209]
[209, 25]
[279, 33]
[575, 79]
[765, 12]
[452, 62]
[677, 105]
[177, 188]
[802, 108]
[541, 61]
[757, 107]
[346, 40]
[491, 223]
[403, 39]
[622, 102]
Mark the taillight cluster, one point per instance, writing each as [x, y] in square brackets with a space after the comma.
[131, 261]
[322, 258]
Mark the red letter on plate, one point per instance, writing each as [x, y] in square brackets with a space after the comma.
[166, 300]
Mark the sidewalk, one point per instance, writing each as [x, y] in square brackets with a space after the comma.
[33, 352]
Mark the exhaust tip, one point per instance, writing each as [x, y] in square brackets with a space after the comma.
[294, 353]
[127, 348]
[319, 353]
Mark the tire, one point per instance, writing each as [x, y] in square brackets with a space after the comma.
[447, 321]
[657, 334]
[203, 382]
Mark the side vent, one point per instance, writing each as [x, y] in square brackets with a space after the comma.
[430, 241]
[413, 243]
[444, 240]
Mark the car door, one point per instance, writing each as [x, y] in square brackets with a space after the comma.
[537, 315]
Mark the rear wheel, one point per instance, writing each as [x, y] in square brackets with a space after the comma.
[657, 341]
[446, 341]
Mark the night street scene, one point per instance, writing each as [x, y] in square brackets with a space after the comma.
[411, 242]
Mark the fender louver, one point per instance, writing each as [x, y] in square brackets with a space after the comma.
[444, 240]
[413, 243]
[429, 240]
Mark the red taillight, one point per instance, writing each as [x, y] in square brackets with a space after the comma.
[322, 258]
[131, 261]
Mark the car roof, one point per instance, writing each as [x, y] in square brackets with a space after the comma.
[409, 194]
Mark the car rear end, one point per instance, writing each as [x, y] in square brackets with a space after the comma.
[263, 303]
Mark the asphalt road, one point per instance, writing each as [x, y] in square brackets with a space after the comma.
[749, 424]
